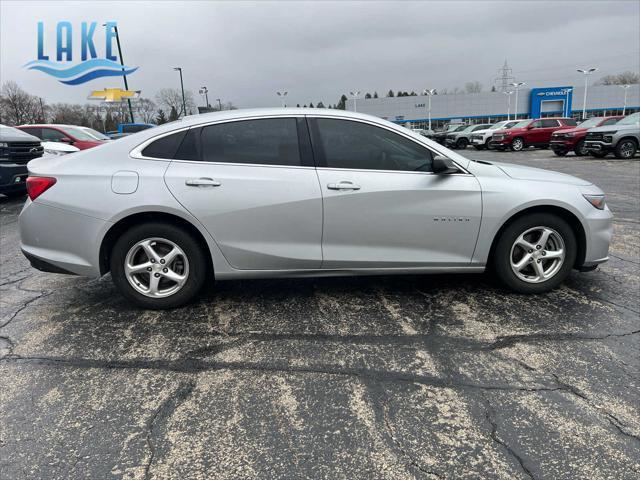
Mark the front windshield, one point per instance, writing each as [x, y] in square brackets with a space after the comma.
[591, 122]
[96, 134]
[77, 133]
[630, 120]
[460, 128]
[522, 124]
[498, 126]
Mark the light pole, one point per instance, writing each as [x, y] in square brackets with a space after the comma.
[219, 104]
[429, 93]
[282, 94]
[517, 85]
[508, 94]
[205, 91]
[586, 72]
[624, 107]
[355, 99]
[124, 76]
[184, 103]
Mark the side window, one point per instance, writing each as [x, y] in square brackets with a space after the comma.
[549, 123]
[269, 141]
[537, 124]
[610, 121]
[350, 144]
[165, 147]
[51, 135]
[570, 122]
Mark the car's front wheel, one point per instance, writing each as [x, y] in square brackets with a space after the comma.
[158, 266]
[626, 148]
[535, 253]
[517, 144]
[580, 149]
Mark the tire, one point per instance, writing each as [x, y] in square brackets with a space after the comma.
[599, 154]
[626, 149]
[561, 237]
[462, 143]
[579, 149]
[190, 262]
[560, 153]
[517, 144]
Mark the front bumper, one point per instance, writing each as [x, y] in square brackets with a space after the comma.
[477, 140]
[55, 239]
[599, 230]
[598, 146]
[562, 145]
[13, 177]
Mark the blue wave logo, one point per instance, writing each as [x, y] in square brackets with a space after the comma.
[83, 72]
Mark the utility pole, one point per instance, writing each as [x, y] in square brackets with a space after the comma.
[124, 76]
[282, 94]
[355, 99]
[205, 91]
[44, 120]
[508, 94]
[184, 103]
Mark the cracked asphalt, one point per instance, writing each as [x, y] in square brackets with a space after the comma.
[381, 377]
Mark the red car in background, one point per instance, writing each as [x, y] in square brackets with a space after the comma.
[567, 139]
[530, 133]
[62, 133]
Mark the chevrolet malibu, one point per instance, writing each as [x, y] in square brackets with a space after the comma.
[294, 193]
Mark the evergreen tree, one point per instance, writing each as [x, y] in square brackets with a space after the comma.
[367, 95]
[173, 114]
[310, 104]
[493, 89]
[375, 94]
[413, 94]
[161, 117]
[342, 104]
[390, 93]
[298, 105]
[320, 105]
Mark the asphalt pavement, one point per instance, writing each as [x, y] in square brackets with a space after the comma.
[360, 378]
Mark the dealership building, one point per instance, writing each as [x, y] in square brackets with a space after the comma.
[492, 107]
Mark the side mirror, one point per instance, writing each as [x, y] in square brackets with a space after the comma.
[443, 165]
[529, 127]
[66, 140]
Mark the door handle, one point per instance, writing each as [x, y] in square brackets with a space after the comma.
[202, 182]
[344, 185]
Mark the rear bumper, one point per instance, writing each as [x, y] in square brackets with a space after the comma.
[61, 241]
[13, 177]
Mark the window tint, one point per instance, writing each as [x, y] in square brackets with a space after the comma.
[549, 123]
[51, 135]
[36, 132]
[571, 122]
[164, 147]
[271, 141]
[349, 144]
[610, 121]
[537, 124]
[189, 148]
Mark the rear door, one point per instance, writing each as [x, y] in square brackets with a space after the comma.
[383, 206]
[254, 187]
[549, 125]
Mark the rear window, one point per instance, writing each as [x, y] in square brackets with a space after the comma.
[571, 122]
[551, 123]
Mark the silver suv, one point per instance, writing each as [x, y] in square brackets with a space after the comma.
[622, 138]
[462, 138]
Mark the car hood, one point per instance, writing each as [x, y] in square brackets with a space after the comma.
[612, 128]
[483, 131]
[520, 172]
[571, 130]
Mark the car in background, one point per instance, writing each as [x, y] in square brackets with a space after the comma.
[621, 139]
[57, 149]
[480, 138]
[281, 193]
[462, 138]
[451, 128]
[530, 133]
[566, 140]
[125, 129]
[17, 148]
[69, 134]
[95, 134]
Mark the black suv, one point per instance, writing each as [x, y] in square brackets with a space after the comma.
[16, 149]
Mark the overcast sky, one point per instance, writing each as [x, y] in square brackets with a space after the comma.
[245, 51]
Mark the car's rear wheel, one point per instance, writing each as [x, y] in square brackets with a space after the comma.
[534, 254]
[462, 143]
[158, 266]
[626, 149]
[580, 149]
[517, 144]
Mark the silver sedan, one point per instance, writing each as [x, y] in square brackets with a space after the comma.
[293, 193]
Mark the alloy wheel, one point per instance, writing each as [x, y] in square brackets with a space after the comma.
[537, 254]
[156, 267]
[517, 144]
[627, 149]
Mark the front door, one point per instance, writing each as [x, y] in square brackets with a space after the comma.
[383, 206]
[247, 183]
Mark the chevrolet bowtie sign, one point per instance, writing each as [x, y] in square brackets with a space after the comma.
[113, 95]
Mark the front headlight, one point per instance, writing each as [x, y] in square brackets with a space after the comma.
[595, 200]
[570, 134]
[3, 145]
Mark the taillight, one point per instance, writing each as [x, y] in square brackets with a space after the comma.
[36, 186]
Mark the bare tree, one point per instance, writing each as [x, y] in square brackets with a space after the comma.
[169, 98]
[18, 107]
[473, 87]
[146, 110]
[624, 78]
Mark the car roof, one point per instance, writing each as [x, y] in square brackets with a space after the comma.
[48, 125]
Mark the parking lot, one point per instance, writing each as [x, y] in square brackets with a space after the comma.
[369, 377]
